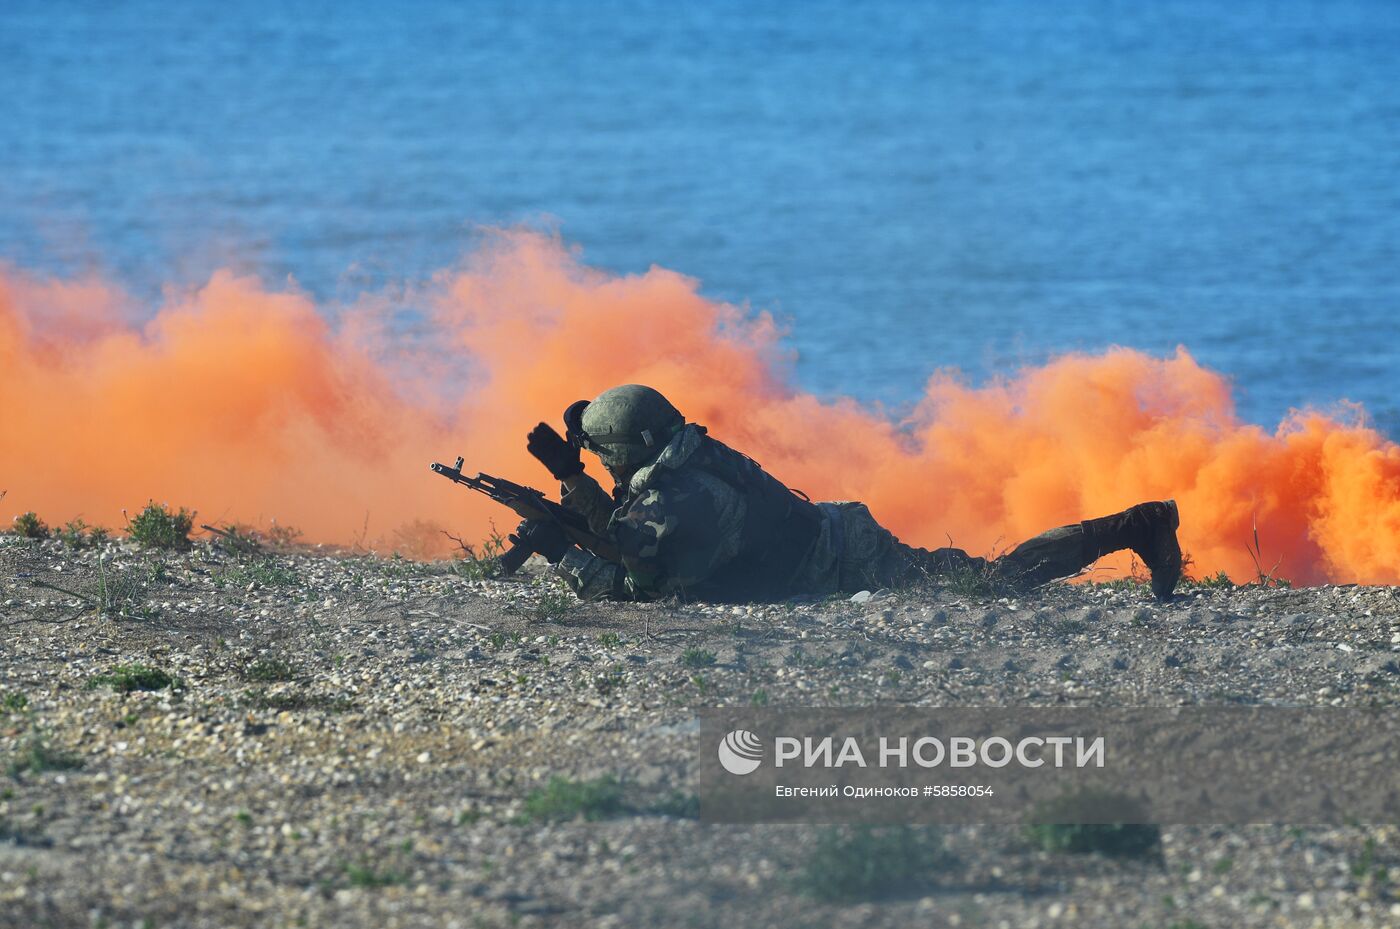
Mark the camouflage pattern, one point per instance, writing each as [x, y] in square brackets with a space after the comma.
[855, 552]
[860, 554]
[677, 525]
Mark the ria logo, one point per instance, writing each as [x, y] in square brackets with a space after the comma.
[740, 752]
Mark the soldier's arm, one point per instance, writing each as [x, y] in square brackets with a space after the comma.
[676, 535]
[585, 496]
[671, 538]
[595, 578]
[591, 577]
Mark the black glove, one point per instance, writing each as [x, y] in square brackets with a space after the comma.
[544, 538]
[561, 458]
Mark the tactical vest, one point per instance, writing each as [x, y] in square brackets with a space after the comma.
[780, 528]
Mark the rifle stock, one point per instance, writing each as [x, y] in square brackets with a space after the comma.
[529, 503]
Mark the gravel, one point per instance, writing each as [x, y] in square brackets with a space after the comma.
[351, 741]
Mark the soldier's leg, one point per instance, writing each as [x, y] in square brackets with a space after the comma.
[1061, 552]
[871, 557]
[1149, 529]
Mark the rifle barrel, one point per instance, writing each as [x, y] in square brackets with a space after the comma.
[530, 504]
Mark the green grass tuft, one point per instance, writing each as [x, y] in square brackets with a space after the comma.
[973, 582]
[121, 593]
[1132, 584]
[677, 804]
[554, 602]
[273, 670]
[78, 535]
[1056, 826]
[607, 681]
[30, 526]
[37, 756]
[132, 677]
[157, 527]
[564, 799]
[1368, 868]
[499, 639]
[868, 863]
[698, 658]
[294, 701]
[283, 536]
[364, 875]
[479, 562]
[1217, 581]
[973, 578]
[236, 539]
[264, 572]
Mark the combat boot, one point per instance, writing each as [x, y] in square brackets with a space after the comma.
[1149, 529]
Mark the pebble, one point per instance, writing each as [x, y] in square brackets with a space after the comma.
[425, 709]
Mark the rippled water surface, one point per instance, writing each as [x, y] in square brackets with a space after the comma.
[909, 186]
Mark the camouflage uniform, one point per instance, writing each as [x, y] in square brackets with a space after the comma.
[704, 521]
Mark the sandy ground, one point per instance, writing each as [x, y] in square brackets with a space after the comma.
[356, 741]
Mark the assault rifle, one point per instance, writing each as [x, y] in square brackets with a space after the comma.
[530, 503]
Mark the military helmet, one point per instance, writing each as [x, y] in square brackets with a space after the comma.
[627, 426]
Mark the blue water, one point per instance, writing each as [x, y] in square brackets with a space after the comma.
[978, 185]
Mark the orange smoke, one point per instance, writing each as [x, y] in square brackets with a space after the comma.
[254, 406]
